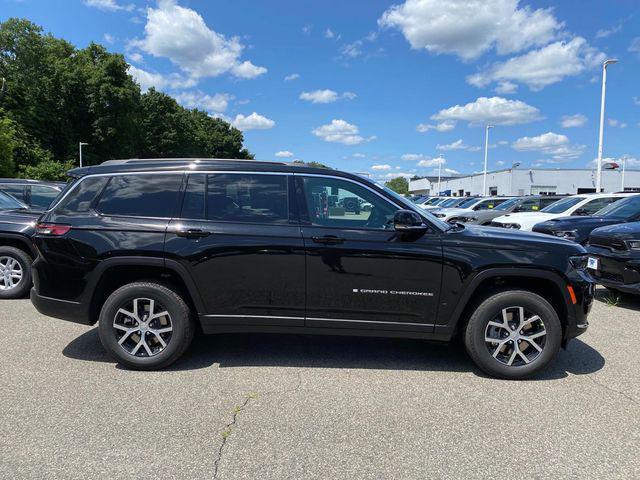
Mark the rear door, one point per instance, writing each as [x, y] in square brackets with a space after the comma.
[240, 241]
[361, 273]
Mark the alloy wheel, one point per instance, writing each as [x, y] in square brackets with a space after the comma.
[10, 273]
[515, 337]
[143, 327]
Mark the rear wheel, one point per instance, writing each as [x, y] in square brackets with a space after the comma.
[145, 326]
[15, 272]
[513, 334]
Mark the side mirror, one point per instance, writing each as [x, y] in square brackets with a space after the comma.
[408, 221]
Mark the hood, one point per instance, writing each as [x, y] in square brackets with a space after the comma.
[508, 239]
[623, 231]
[453, 211]
[569, 223]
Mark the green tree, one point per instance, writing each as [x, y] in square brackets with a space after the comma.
[7, 146]
[399, 185]
[312, 164]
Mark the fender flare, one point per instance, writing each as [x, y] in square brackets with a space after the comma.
[483, 275]
[23, 239]
[141, 261]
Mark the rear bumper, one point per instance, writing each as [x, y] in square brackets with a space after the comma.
[62, 309]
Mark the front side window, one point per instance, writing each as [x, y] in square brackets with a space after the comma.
[597, 204]
[333, 202]
[488, 204]
[237, 197]
[529, 205]
[141, 195]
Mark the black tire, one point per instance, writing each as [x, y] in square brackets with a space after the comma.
[180, 316]
[24, 284]
[491, 309]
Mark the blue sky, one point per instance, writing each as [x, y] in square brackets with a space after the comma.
[380, 86]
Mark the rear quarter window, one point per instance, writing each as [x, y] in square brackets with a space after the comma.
[141, 195]
[79, 198]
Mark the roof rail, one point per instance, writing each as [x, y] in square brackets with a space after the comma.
[203, 160]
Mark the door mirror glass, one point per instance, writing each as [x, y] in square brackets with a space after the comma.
[408, 221]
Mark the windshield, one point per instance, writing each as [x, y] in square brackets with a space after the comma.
[431, 201]
[508, 204]
[468, 202]
[7, 202]
[562, 205]
[625, 208]
[452, 202]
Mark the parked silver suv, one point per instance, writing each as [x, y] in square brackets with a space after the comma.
[532, 203]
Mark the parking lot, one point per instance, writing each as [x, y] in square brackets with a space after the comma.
[260, 406]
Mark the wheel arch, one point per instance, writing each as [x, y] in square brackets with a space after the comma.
[115, 272]
[548, 284]
[18, 241]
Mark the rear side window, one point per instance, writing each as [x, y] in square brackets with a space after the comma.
[80, 197]
[237, 197]
[598, 204]
[140, 196]
[42, 196]
[16, 191]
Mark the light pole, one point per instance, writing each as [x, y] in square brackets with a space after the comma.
[604, 89]
[80, 145]
[624, 165]
[486, 156]
[439, 172]
[513, 167]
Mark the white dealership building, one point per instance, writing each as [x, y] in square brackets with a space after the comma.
[531, 181]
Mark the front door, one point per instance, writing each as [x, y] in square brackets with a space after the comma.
[241, 244]
[361, 273]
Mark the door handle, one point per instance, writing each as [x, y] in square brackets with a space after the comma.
[192, 233]
[328, 240]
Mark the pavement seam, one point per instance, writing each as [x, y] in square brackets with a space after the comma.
[227, 431]
[613, 390]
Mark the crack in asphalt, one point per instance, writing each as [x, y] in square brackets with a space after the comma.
[613, 390]
[227, 432]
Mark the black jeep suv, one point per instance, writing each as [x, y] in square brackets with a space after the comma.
[151, 248]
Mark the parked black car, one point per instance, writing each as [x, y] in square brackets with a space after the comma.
[17, 226]
[33, 193]
[149, 248]
[614, 257]
[578, 228]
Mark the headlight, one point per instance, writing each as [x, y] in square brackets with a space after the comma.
[440, 215]
[468, 219]
[633, 244]
[568, 234]
[515, 226]
[579, 262]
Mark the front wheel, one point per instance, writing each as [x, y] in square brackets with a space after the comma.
[513, 334]
[145, 326]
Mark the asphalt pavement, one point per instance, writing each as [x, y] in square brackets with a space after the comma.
[298, 407]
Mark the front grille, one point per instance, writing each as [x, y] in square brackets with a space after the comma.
[607, 242]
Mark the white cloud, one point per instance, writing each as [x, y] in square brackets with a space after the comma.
[352, 50]
[634, 46]
[293, 76]
[604, 33]
[450, 171]
[573, 121]
[358, 155]
[494, 110]
[636, 100]
[328, 33]
[135, 57]
[108, 38]
[148, 79]
[109, 5]
[432, 162]
[340, 131]
[197, 99]
[307, 29]
[381, 167]
[468, 28]
[284, 154]
[616, 123]
[252, 122]
[542, 67]
[414, 157]
[500, 163]
[392, 175]
[553, 144]
[506, 88]
[181, 35]
[457, 145]
[325, 96]
[445, 126]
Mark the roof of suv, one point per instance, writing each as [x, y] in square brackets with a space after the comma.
[200, 164]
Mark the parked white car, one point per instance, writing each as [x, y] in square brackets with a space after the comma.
[586, 204]
[469, 205]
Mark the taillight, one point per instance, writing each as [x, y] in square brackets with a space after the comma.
[52, 229]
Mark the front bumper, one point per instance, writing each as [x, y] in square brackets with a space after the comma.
[62, 309]
[617, 270]
[584, 289]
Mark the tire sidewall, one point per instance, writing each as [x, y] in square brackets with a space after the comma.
[25, 262]
[119, 299]
[491, 308]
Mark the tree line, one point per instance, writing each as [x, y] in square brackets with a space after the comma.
[56, 95]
